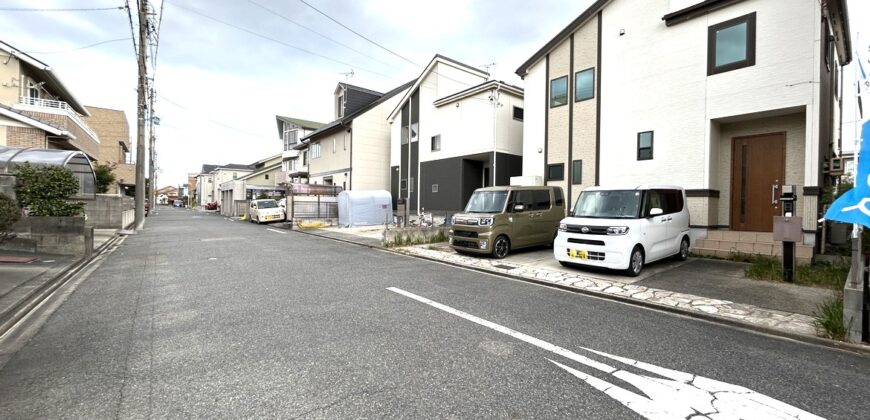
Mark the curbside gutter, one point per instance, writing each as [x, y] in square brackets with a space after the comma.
[810, 339]
[33, 299]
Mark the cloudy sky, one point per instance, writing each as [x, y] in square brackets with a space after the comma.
[219, 86]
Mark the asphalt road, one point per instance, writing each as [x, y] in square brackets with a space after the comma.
[199, 316]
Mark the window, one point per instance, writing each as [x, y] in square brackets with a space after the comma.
[267, 176]
[731, 45]
[559, 92]
[645, 145]
[560, 201]
[577, 172]
[436, 144]
[584, 85]
[518, 113]
[526, 198]
[315, 150]
[235, 175]
[411, 186]
[671, 200]
[304, 158]
[339, 106]
[333, 146]
[556, 172]
[290, 138]
[434, 188]
[542, 199]
[403, 184]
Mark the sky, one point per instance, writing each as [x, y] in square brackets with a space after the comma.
[219, 86]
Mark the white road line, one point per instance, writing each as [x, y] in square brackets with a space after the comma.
[276, 231]
[667, 394]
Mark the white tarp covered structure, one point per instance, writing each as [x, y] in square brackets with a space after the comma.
[364, 208]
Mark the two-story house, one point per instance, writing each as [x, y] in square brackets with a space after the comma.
[353, 151]
[205, 185]
[294, 163]
[261, 180]
[471, 131]
[114, 131]
[37, 110]
[731, 99]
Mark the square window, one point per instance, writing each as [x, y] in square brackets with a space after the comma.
[731, 45]
[403, 185]
[577, 172]
[518, 113]
[556, 172]
[434, 188]
[436, 144]
[584, 85]
[559, 92]
[645, 145]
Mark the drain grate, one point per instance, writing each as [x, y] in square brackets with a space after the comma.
[503, 267]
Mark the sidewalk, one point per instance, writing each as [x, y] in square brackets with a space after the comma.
[23, 282]
[702, 288]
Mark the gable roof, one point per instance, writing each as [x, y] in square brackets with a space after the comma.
[34, 122]
[308, 125]
[343, 122]
[429, 68]
[206, 168]
[564, 33]
[356, 98]
[50, 78]
[474, 90]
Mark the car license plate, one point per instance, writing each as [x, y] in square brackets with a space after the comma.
[578, 253]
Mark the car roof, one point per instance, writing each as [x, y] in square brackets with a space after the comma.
[516, 188]
[634, 187]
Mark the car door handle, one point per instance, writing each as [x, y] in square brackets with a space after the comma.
[670, 218]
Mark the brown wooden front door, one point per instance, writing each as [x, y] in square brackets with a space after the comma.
[757, 172]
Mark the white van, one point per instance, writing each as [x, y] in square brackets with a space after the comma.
[624, 228]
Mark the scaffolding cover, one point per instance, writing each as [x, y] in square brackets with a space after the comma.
[364, 208]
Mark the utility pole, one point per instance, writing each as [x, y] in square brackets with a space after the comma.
[139, 219]
[151, 151]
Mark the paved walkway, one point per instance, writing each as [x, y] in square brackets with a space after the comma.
[709, 289]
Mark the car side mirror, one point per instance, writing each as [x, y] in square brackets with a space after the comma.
[655, 211]
[518, 208]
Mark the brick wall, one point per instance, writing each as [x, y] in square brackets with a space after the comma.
[26, 137]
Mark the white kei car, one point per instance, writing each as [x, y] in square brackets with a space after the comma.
[265, 210]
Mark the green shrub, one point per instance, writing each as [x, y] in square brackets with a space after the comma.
[104, 178]
[9, 214]
[828, 319]
[44, 190]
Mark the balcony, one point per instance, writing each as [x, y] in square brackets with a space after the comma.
[61, 114]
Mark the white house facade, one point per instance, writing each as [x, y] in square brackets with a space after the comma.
[453, 132]
[291, 131]
[733, 100]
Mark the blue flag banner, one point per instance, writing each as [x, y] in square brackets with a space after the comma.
[854, 205]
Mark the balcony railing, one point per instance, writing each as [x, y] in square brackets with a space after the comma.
[57, 107]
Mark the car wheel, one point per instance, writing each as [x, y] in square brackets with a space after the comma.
[635, 262]
[683, 255]
[501, 247]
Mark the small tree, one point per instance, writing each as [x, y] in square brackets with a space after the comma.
[44, 190]
[9, 214]
[105, 177]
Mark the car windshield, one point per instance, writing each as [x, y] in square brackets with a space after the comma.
[486, 202]
[268, 204]
[608, 204]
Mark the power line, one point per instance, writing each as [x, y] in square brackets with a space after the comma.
[314, 32]
[29, 9]
[248, 31]
[208, 118]
[360, 35]
[132, 29]
[79, 48]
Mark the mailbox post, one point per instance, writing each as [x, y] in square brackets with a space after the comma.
[787, 228]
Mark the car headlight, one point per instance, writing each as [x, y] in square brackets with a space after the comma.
[486, 221]
[617, 230]
[563, 227]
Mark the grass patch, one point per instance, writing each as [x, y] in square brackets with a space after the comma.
[405, 239]
[828, 319]
[820, 274]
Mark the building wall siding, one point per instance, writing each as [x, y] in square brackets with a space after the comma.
[557, 132]
[26, 137]
[584, 112]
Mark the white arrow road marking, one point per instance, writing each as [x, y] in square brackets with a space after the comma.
[276, 231]
[673, 395]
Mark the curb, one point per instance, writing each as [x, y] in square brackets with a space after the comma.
[839, 345]
[26, 304]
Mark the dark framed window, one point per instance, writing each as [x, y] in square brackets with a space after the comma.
[731, 45]
[584, 85]
[577, 172]
[518, 113]
[436, 143]
[555, 172]
[645, 145]
[542, 199]
[559, 92]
